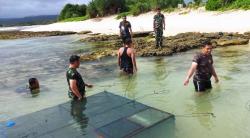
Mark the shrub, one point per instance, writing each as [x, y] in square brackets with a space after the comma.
[92, 11]
[119, 16]
[139, 8]
[71, 10]
[241, 4]
[213, 5]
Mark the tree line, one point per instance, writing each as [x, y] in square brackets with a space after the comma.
[101, 8]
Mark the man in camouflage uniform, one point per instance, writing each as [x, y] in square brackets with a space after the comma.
[74, 79]
[159, 26]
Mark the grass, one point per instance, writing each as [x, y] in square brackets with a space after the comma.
[75, 19]
[240, 4]
[169, 10]
[120, 15]
[236, 5]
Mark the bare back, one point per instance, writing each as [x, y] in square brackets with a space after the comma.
[129, 51]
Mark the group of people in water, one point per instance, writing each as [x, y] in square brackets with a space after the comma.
[202, 65]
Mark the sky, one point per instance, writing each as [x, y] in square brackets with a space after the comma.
[23, 8]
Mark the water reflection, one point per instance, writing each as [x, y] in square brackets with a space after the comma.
[202, 110]
[77, 111]
[160, 72]
[25, 90]
[231, 59]
[129, 85]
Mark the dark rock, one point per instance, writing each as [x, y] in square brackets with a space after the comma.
[145, 46]
[247, 35]
[232, 41]
[103, 37]
[26, 34]
[98, 38]
[143, 42]
[142, 34]
[84, 32]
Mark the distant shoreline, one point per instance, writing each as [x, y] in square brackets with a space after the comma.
[8, 35]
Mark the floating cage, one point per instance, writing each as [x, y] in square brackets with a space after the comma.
[103, 115]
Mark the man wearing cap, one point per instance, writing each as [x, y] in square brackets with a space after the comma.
[159, 26]
[74, 79]
[125, 30]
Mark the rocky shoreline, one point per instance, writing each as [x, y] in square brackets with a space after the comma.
[144, 43]
[5, 35]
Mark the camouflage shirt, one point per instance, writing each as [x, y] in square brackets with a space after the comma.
[204, 68]
[158, 21]
[72, 74]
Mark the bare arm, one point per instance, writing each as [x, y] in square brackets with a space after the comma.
[130, 29]
[88, 85]
[214, 74]
[133, 60]
[190, 72]
[74, 88]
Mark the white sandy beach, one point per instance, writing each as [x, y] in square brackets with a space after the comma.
[176, 22]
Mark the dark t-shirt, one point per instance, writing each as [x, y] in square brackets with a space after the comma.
[72, 74]
[124, 28]
[204, 67]
[158, 21]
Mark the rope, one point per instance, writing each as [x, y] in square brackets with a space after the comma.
[197, 115]
[160, 92]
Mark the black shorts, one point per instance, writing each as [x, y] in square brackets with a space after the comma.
[201, 86]
[124, 38]
[128, 70]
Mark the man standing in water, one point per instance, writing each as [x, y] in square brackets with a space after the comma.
[125, 30]
[126, 58]
[74, 79]
[159, 26]
[203, 68]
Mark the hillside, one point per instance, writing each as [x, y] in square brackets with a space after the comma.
[31, 20]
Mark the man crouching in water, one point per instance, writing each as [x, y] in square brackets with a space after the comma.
[126, 58]
[34, 86]
[74, 79]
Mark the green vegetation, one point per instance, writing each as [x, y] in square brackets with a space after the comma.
[214, 5]
[136, 7]
[26, 21]
[197, 2]
[120, 15]
[242, 4]
[74, 19]
[101, 8]
[168, 10]
[72, 11]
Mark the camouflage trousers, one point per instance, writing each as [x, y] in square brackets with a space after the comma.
[158, 37]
